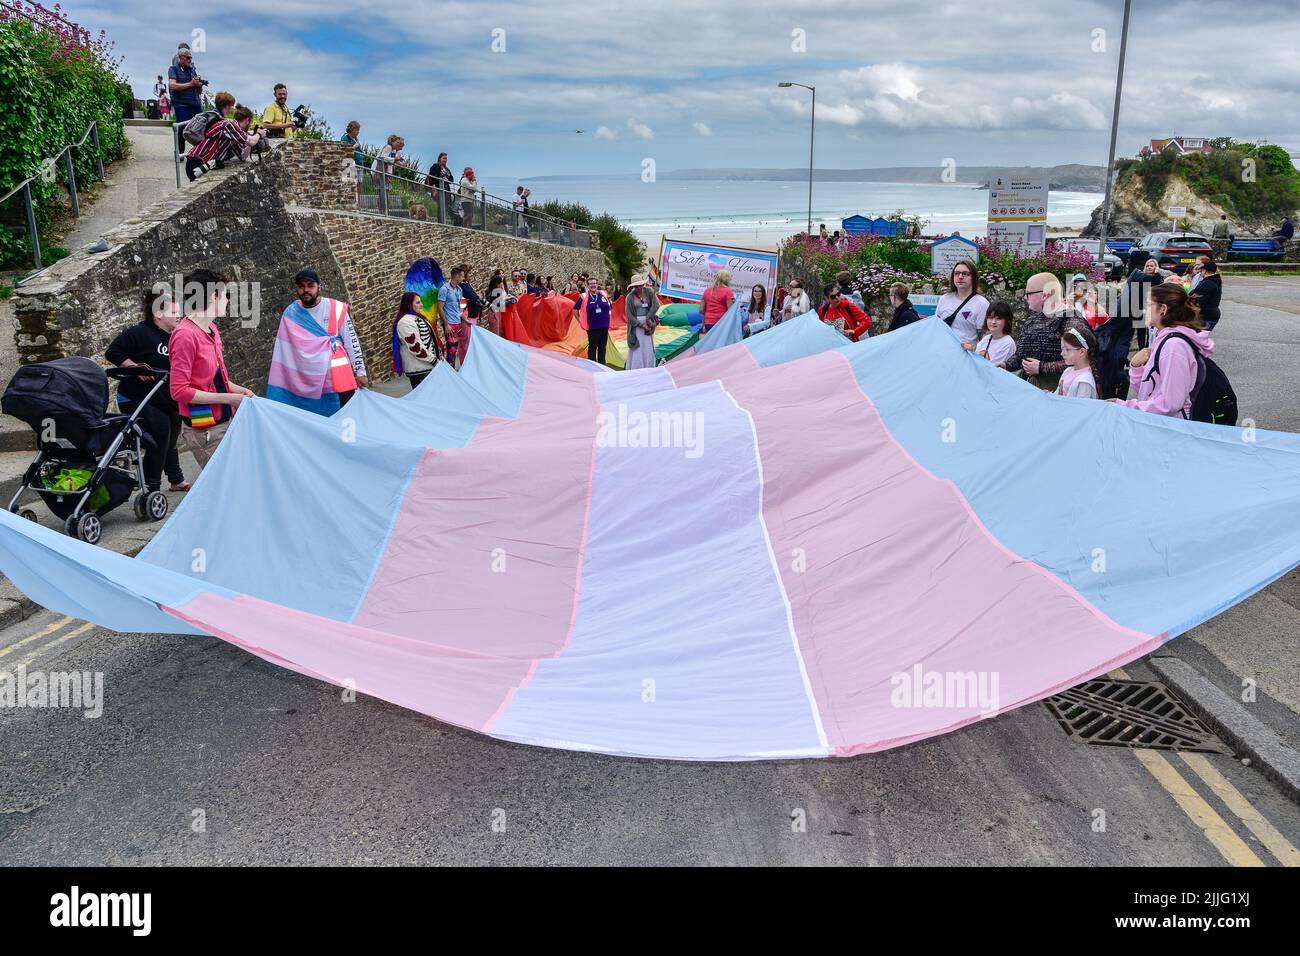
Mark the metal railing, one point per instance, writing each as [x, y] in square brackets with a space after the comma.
[47, 173]
[409, 195]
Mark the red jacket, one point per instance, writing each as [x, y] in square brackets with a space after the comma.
[856, 322]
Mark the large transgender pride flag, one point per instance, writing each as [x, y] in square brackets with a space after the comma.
[839, 526]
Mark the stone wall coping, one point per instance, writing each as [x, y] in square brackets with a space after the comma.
[372, 216]
[66, 271]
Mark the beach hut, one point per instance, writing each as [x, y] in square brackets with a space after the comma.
[856, 225]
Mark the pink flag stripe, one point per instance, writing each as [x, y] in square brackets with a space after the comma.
[887, 569]
[695, 369]
[454, 684]
[496, 530]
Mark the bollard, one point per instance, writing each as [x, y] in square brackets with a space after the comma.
[72, 184]
[31, 225]
[442, 204]
[483, 211]
[99, 153]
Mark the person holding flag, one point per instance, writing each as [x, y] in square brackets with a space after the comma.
[317, 362]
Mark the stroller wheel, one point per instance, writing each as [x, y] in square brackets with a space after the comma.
[88, 528]
[150, 506]
[29, 514]
[156, 505]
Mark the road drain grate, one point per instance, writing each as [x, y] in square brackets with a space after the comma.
[1131, 713]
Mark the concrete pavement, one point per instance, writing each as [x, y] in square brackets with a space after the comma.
[279, 769]
[144, 177]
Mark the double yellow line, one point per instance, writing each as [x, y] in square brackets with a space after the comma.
[1224, 839]
[43, 632]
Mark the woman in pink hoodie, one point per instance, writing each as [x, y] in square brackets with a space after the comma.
[1164, 384]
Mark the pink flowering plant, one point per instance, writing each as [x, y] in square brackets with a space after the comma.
[879, 261]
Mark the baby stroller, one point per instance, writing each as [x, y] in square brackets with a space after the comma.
[89, 462]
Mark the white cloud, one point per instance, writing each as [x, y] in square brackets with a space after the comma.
[844, 114]
[701, 128]
[1019, 82]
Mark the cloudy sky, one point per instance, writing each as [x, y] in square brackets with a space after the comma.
[506, 85]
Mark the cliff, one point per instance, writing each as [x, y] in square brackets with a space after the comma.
[1253, 186]
[1133, 214]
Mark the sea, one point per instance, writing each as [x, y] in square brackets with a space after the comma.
[761, 213]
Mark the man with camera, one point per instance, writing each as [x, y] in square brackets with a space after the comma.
[276, 119]
[184, 84]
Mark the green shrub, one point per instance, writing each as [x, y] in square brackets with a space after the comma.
[620, 245]
[1271, 191]
[53, 84]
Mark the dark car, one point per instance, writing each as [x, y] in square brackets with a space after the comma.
[1111, 265]
[1174, 251]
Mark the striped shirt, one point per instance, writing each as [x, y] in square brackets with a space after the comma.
[222, 140]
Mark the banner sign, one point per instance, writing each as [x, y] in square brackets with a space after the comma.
[925, 305]
[686, 269]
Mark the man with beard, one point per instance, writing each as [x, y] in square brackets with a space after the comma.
[317, 363]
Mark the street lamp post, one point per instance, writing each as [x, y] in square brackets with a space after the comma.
[1114, 131]
[812, 132]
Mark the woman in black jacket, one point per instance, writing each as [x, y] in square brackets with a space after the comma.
[146, 343]
[1208, 292]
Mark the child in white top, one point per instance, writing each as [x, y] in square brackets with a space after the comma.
[1079, 349]
[997, 345]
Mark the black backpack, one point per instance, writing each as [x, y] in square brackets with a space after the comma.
[1213, 399]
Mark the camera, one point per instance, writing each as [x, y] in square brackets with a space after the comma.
[204, 82]
[301, 116]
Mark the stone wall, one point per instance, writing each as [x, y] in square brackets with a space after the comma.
[231, 221]
[259, 224]
[320, 175]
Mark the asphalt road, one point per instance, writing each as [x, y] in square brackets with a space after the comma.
[279, 769]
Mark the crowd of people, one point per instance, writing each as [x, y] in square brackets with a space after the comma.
[212, 134]
[1067, 344]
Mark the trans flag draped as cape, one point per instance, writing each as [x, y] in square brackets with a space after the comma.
[300, 363]
[852, 523]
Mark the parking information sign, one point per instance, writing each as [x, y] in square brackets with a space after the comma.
[1018, 208]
